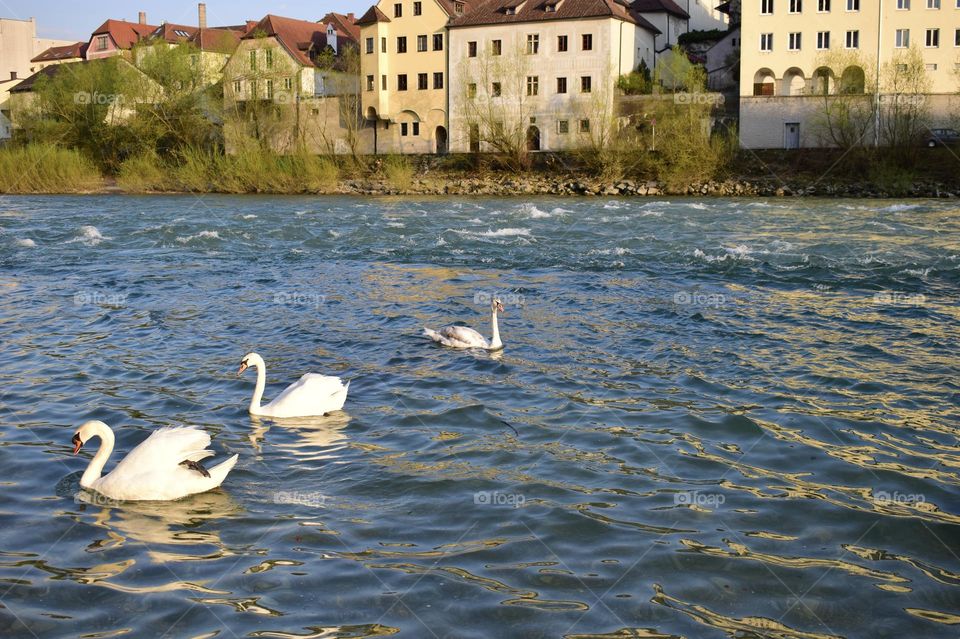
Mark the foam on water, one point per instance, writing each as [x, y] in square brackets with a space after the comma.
[26, 243]
[202, 235]
[89, 236]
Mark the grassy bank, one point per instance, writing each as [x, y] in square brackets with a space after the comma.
[46, 168]
[50, 169]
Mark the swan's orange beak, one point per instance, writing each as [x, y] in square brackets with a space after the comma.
[77, 443]
[243, 367]
[500, 308]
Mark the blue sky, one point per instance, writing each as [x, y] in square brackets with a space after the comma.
[76, 20]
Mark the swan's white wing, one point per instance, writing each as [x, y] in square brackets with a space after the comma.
[464, 337]
[312, 394]
[166, 448]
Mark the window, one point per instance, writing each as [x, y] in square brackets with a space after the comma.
[438, 80]
[766, 42]
[402, 82]
[237, 87]
[903, 39]
[766, 7]
[584, 126]
[102, 42]
[495, 90]
[533, 85]
[561, 43]
[369, 83]
[401, 44]
[417, 8]
[496, 47]
[404, 128]
[458, 7]
[823, 6]
[796, 6]
[933, 4]
[398, 10]
[587, 42]
[421, 43]
[472, 49]
[288, 84]
[472, 90]
[533, 43]
[853, 39]
[853, 5]
[794, 41]
[269, 55]
[253, 60]
[585, 84]
[903, 4]
[416, 128]
[563, 126]
[474, 138]
[369, 45]
[823, 40]
[422, 82]
[254, 90]
[933, 38]
[438, 42]
[269, 89]
[383, 82]
[956, 38]
[383, 45]
[561, 85]
[931, 67]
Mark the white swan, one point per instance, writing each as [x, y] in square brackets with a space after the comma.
[463, 337]
[165, 466]
[312, 396]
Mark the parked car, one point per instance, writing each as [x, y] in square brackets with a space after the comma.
[943, 137]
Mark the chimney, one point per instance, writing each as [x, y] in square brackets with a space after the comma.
[143, 17]
[13, 75]
[202, 10]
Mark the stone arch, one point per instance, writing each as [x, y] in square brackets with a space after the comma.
[853, 80]
[824, 81]
[763, 82]
[793, 83]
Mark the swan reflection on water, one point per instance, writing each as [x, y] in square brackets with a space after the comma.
[192, 521]
[315, 438]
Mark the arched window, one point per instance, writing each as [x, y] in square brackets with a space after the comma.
[853, 80]
[763, 82]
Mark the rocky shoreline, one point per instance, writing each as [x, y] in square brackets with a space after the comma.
[572, 186]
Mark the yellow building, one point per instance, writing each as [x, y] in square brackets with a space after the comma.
[404, 73]
[795, 51]
[18, 45]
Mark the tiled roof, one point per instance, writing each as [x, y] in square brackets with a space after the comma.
[49, 71]
[75, 50]
[218, 39]
[298, 37]
[174, 33]
[372, 16]
[657, 6]
[125, 34]
[507, 11]
[346, 24]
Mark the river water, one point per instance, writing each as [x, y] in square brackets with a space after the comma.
[720, 418]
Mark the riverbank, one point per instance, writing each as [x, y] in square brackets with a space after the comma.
[820, 173]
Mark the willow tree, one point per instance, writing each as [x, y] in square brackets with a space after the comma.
[903, 110]
[846, 85]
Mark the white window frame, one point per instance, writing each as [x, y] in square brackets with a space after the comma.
[823, 40]
[823, 6]
[901, 39]
[766, 7]
[903, 5]
[794, 41]
[766, 42]
[853, 35]
[796, 6]
[853, 5]
[935, 39]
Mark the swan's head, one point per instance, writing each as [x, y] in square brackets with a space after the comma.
[496, 305]
[86, 432]
[250, 359]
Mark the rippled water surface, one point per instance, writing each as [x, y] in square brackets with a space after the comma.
[727, 418]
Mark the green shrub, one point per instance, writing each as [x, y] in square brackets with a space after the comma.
[398, 172]
[144, 172]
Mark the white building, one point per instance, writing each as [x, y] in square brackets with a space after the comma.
[545, 68]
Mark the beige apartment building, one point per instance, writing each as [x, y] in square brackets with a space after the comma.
[541, 73]
[793, 51]
[404, 74]
[19, 44]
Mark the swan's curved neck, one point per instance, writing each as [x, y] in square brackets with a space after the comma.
[258, 391]
[95, 468]
[495, 342]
